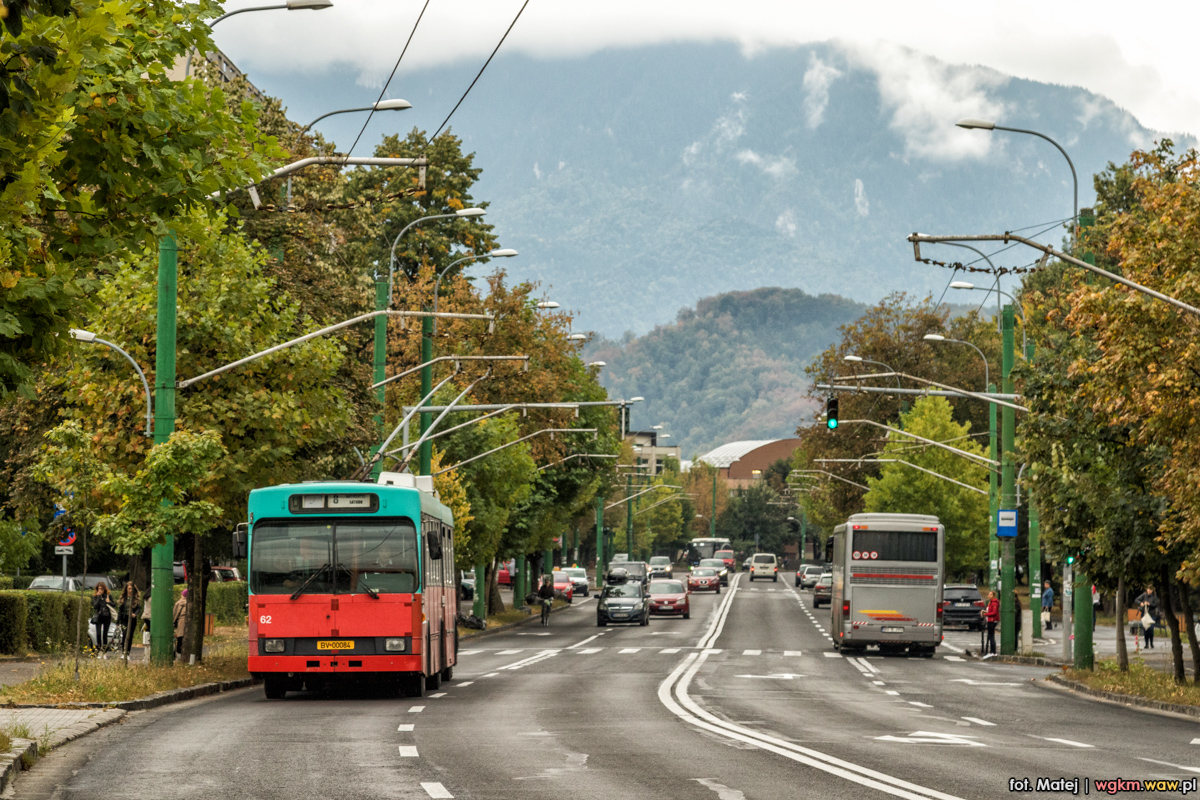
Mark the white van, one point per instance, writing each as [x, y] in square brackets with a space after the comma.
[764, 565]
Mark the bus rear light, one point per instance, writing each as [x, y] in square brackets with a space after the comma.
[273, 645]
[939, 613]
[395, 645]
[846, 610]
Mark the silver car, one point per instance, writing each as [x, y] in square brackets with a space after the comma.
[660, 566]
[579, 579]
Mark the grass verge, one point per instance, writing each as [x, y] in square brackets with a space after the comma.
[1140, 681]
[505, 618]
[111, 681]
[6, 742]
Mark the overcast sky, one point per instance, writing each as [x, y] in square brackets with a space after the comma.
[1145, 61]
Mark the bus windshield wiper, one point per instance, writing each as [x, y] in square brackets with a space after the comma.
[300, 590]
[374, 594]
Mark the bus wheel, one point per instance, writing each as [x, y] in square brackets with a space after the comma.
[274, 687]
[413, 685]
[448, 673]
[433, 682]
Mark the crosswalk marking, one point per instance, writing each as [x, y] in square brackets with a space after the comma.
[953, 658]
[669, 650]
[892, 692]
[921, 705]
[416, 709]
[408, 751]
[406, 727]
[439, 694]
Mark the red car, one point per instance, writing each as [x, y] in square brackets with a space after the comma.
[727, 557]
[564, 586]
[703, 579]
[669, 597]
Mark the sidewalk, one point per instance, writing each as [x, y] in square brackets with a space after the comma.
[1104, 645]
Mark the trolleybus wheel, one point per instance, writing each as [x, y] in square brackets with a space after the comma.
[412, 684]
[274, 688]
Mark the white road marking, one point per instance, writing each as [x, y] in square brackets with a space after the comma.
[508, 652]
[589, 651]
[585, 641]
[921, 705]
[929, 737]
[1066, 741]
[1195, 741]
[892, 692]
[979, 721]
[673, 694]
[1168, 764]
[792, 653]
[490, 675]
[535, 634]
[951, 647]
[718, 621]
[879, 683]
[780, 676]
[406, 727]
[868, 665]
[752, 652]
[954, 658]
[439, 694]
[416, 709]
[436, 790]
[468, 652]
[832, 655]
[669, 650]
[464, 683]
[970, 682]
[630, 650]
[524, 662]
[408, 751]
[723, 791]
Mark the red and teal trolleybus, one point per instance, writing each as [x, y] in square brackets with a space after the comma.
[351, 579]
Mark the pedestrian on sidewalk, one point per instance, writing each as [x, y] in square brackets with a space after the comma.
[179, 618]
[101, 614]
[1147, 603]
[1097, 607]
[1047, 603]
[1017, 617]
[129, 607]
[991, 615]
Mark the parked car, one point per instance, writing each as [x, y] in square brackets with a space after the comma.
[746, 563]
[623, 602]
[670, 597]
[563, 585]
[719, 565]
[807, 576]
[92, 580]
[54, 583]
[579, 577]
[823, 591]
[466, 584]
[727, 557]
[225, 575]
[660, 566]
[764, 565]
[704, 579]
[961, 604]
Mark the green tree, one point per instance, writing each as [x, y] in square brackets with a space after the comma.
[99, 150]
[757, 515]
[18, 544]
[903, 490]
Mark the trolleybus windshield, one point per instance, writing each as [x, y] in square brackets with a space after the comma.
[323, 556]
[896, 545]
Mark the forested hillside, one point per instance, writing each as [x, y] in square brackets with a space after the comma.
[731, 368]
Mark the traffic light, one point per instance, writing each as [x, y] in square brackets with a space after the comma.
[831, 413]
[1070, 560]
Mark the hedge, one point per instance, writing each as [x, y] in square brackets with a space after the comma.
[6, 582]
[40, 621]
[13, 611]
[226, 601]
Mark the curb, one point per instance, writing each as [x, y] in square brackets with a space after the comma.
[1033, 661]
[154, 700]
[21, 757]
[1129, 700]
[508, 626]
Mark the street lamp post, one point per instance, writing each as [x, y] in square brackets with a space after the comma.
[290, 5]
[88, 336]
[505, 252]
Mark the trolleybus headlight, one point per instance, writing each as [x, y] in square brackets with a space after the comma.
[394, 645]
[273, 646]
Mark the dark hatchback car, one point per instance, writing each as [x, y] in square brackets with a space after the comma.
[961, 605]
[638, 571]
[823, 591]
[623, 602]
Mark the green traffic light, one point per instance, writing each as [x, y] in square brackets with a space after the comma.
[1070, 559]
[832, 423]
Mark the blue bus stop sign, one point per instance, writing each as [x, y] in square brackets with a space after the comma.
[1006, 524]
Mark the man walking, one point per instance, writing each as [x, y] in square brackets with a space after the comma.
[1147, 603]
[1047, 603]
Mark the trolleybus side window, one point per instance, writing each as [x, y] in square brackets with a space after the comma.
[898, 546]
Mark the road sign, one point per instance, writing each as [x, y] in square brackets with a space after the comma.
[1006, 523]
[58, 511]
[64, 550]
[67, 540]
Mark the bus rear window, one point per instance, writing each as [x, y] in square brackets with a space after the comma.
[898, 545]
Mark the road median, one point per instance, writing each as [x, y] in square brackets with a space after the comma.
[1141, 687]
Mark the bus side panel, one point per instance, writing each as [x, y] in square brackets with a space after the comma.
[838, 588]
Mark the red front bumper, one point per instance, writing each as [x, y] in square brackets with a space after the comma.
[341, 662]
[668, 609]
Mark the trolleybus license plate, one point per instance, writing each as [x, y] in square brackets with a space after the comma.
[892, 629]
[336, 644]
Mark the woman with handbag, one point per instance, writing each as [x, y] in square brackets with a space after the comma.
[129, 607]
[1147, 603]
[101, 615]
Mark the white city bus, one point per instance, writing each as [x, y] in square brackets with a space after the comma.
[888, 571]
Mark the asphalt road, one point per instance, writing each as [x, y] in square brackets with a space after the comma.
[746, 700]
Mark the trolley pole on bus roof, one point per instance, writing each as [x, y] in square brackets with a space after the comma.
[380, 364]
[1008, 498]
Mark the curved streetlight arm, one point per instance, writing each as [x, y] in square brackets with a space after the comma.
[142, 375]
[986, 377]
[905, 463]
[639, 494]
[987, 398]
[963, 453]
[831, 475]
[879, 363]
[341, 161]
[513, 442]
[576, 455]
[396, 241]
[918, 238]
[1071, 164]
[438, 283]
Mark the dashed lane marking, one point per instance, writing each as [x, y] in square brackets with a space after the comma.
[953, 658]
[791, 653]
[669, 650]
[439, 694]
[589, 651]
[833, 655]
[1168, 764]
[436, 790]
[752, 652]
[631, 650]
[416, 709]
[490, 675]
[879, 683]
[919, 705]
[468, 652]
[892, 692]
[465, 683]
[1066, 742]
[508, 652]
[979, 721]
[408, 751]
[406, 727]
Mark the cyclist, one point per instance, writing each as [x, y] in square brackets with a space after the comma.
[545, 595]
